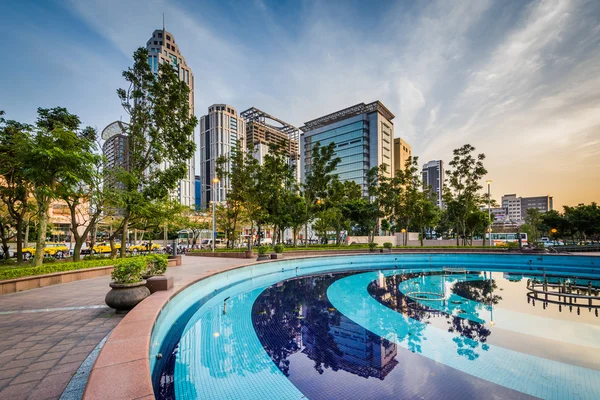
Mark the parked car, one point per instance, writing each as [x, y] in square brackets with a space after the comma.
[50, 249]
[99, 248]
[154, 247]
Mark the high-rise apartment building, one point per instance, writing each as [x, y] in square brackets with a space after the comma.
[115, 149]
[402, 151]
[220, 132]
[433, 179]
[518, 206]
[264, 130]
[162, 48]
[363, 136]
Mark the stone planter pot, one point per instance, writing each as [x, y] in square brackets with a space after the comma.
[262, 257]
[276, 256]
[177, 259]
[124, 296]
[159, 282]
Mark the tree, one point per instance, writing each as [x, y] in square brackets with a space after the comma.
[159, 134]
[85, 198]
[14, 188]
[427, 214]
[461, 192]
[7, 231]
[555, 225]
[277, 186]
[54, 156]
[296, 208]
[319, 179]
[238, 175]
[533, 219]
[585, 220]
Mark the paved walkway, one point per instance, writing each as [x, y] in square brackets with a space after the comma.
[45, 334]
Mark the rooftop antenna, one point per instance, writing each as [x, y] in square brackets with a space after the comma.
[163, 22]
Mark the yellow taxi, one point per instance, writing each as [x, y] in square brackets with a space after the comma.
[51, 249]
[104, 247]
[144, 247]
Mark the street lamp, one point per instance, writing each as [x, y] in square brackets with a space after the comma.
[215, 180]
[489, 183]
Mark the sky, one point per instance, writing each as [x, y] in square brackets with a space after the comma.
[519, 80]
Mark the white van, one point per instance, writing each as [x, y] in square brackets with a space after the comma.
[206, 244]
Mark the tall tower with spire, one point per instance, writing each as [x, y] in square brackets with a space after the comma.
[162, 48]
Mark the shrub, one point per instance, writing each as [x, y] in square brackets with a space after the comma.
[512, 245]
[372, 245]
[279, 248]
[156, 264]
[388, 245]
[262, 250]
[22, 271]
[129, 270]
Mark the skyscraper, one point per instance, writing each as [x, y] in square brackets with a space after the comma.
[363, 136]
[115, 149]
[402, 151]
[162, 48]
[264, 130]
[220, 131]
[433, 178]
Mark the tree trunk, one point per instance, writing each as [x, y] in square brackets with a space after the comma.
[124, 235]
[113, 249]
[40, 243]
[19, 226]
[26, 239]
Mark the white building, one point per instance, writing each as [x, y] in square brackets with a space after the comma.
[162, 48]
[220, 132]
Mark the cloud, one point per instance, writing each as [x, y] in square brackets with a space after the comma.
[520, 81]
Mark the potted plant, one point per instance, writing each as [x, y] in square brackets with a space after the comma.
[155, 265]
[372, 246]
[278, 251]
[128, 288]
[262, 253]
[155, 273]
[388, 246]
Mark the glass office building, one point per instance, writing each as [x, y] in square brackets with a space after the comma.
[363, 136]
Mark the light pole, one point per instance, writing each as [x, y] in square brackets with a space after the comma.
[489, 183]
[214, 225]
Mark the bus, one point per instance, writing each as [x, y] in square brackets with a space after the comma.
[501, 239]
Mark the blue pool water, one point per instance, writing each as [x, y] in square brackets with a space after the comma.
[383, 326]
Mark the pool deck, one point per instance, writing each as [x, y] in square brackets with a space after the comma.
[48, 332]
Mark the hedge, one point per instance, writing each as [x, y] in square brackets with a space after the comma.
[14, 273]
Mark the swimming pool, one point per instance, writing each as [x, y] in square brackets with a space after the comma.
[385, 326]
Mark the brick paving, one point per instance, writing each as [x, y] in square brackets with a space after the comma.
[40, 351]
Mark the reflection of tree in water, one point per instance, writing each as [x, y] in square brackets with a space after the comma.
[469, 334]
[285, 313]
[480, 291]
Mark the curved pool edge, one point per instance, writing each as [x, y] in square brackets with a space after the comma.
[122, 369]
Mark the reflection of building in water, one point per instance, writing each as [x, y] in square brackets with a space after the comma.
[360, 351]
